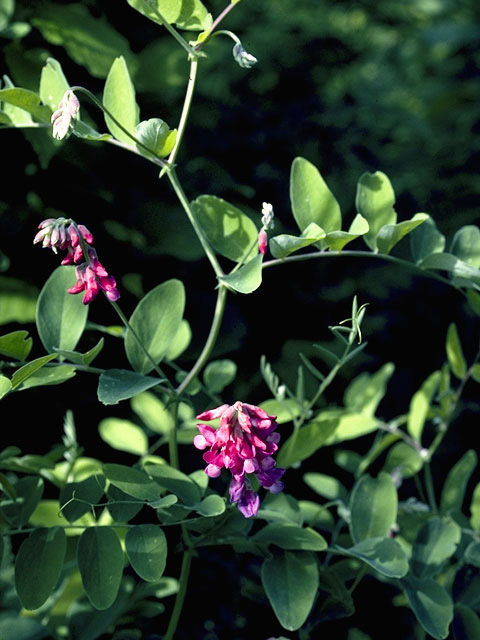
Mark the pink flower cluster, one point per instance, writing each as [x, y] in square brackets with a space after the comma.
[76, 240]
[244, 443]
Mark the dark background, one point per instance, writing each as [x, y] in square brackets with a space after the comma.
[352, 87]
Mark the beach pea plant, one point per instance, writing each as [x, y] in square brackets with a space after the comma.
[108, 547]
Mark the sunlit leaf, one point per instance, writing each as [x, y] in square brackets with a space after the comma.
[155, 321]
[230, 232]
[436, 541]
[311, 199]
[123, 435]
[119, 99]
[385, 555]
[454, 350]
[248, 278]
[374, 201]
[390, 234]
[454, 487]
[115, 385]
[61, 316]
[289, 536]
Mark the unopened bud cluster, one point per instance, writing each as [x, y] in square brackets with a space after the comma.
[64, 234]
[62, 118]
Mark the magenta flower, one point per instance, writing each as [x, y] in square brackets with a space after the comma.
[92, 277]
[244, 444]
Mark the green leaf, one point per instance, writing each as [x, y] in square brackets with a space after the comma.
[366, 391]
[350, 424]
[121, 506]
[466, 245]
[100, 562]
[373, 507]
[404, 457]
[175, 481]
[82, 358]
[17, 301]
[291, 537]
[38, 565]
[157, 136]
[420, 405]
[466, 624]
[284, 410]
[283, 245]
[305, 441]
[385, 555]
[436, 541]
[425, 240]
[311, 199]
[119, 99]
[186, 14]
[248, 278]
[475, 508]
[219, 374]
[454, 350]
[290, 581]
[29, 491]
[472, 554]
[210, 506]
[326, 486]
[280, 507]
[374, 201]
[336, 240]
[85, 131]
[155, 321]
[230, 232]
[431, 604]
[29, 369]
[12, 627]
[390, 234]
[77, 498]
[12, 114]
[16, 345]
[7, 8]
[47, 376]
[61, 316]
[28, 101]
[454, 487]
[90, 42]
[146, 548]
[134, 482]
[152, 412]
[452, 264]
[5, 386]
[53, 84]
[115, 385]
[181, 341]
[123, 435]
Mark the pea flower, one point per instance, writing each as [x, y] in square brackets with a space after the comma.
[267, 223]
[76, 240]
[244, 444]
[62, 118]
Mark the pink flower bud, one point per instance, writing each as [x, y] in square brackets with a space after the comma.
[262, 241]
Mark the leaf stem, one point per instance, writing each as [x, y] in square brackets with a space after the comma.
[177, 187]
[171, 30]
[185, 110]
[210, 342]
[129, 327]
[356, 254]
[180, 598]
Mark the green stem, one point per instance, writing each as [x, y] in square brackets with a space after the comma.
[185, 110]
[172, 438]
[129, 327]
[216, 22]
[355, 254]
[210, 342]
[429, 487]
[179, 600]
[177, 187]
